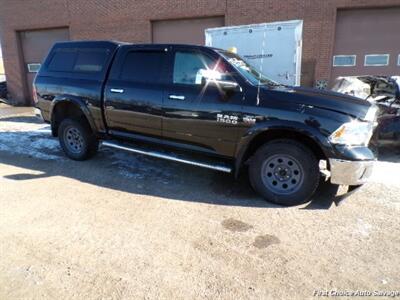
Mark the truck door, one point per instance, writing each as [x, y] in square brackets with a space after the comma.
[199, 114]
[134, 92]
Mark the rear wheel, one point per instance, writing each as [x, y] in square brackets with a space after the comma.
[284, 172]
[77, 139]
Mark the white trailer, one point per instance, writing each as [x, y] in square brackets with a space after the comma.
[272, 48]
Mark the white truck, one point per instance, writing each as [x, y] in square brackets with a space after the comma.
[273, 48]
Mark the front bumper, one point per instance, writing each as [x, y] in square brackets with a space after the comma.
[346, 172]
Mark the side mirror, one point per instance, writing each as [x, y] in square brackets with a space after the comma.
[212, 77]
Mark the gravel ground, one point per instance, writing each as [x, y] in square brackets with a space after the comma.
[123, 226]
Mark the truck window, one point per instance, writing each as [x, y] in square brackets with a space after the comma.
[63, 60]
[143, 66]
[244, 68]
[91, 60]
[188, 66]
[191, 67]
[78, 60]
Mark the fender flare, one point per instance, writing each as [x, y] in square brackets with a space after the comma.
[295, 127]
[78, 102]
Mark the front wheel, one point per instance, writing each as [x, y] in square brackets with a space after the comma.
[284, 172]
[76, 139]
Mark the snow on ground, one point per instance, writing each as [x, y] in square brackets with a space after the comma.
[29, 136]
[139, 166]
[33, 139]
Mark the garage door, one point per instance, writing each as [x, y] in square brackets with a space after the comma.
[35, 46]
[184, 31]
[367, 42]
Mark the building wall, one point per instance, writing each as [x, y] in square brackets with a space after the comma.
[130, 20]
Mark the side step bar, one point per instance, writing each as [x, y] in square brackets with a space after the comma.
[212, 166]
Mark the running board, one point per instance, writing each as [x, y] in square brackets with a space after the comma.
[212, 166]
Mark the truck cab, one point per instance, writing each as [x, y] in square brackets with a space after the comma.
[207, 107]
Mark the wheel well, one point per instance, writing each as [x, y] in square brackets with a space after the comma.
[275, 134]
[65, 110]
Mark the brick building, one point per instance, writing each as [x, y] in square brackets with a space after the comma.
[340, 37]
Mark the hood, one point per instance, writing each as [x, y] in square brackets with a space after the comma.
[328, 100]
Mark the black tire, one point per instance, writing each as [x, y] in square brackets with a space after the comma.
[284, 172]
[76, 139]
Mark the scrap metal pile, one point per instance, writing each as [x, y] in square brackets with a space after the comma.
[382, 91]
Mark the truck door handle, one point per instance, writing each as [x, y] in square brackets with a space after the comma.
[176, 97]
[119, 91]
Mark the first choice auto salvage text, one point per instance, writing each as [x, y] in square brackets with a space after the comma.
[356, 293]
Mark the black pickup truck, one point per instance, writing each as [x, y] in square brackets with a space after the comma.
[206, 107]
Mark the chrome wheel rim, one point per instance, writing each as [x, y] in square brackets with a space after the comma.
[282, 174]
[74, 140]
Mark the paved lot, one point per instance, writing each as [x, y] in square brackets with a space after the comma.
[124, 226]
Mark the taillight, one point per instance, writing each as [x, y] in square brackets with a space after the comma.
[35, 98]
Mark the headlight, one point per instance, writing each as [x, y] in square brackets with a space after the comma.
[353, 133]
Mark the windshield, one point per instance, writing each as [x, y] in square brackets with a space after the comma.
[248, 71]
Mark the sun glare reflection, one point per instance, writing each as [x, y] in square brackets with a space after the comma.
[211, 76]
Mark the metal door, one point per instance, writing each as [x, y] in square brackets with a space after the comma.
[35, 46]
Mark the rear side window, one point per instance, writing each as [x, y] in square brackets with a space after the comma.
[143, 66]
[63, 61]
[78, 60]
[90, 61]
